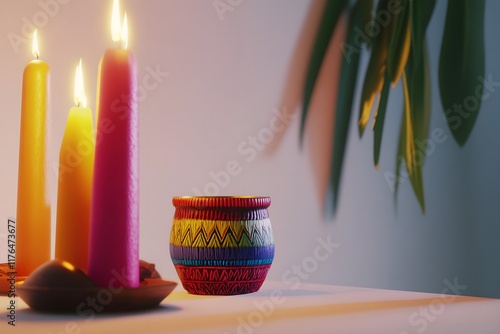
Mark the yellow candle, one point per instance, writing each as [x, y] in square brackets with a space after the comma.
[76, 166]
[33, 200]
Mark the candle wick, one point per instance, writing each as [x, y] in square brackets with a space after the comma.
[78, 104]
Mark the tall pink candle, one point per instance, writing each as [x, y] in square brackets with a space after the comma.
[114, 224]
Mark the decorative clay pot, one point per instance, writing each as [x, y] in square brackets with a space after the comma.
[221, 245]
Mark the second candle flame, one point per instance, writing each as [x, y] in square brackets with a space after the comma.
[79, 95]
[119, 31]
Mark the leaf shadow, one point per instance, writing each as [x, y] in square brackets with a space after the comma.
[320, 123]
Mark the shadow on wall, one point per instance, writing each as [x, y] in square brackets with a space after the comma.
[320, 124]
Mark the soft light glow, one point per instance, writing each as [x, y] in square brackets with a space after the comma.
[80, 98]
[68, 265]
[34, 49]
[119, 31]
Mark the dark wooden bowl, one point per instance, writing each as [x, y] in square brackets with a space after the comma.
[58, 287]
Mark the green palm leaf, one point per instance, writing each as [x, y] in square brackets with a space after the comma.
[400, 42]
[400, 156]
[420, 13]
[397, 54]
[379, 120]
[349, 71]
[461, 63]
[374, 77]
[413, 165]
[417, 90]
[420, 97]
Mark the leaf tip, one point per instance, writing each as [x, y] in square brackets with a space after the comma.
[330, 206]
[361, 129]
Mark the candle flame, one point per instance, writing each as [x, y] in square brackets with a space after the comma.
[119, 31]
[115, 21]
[34, 49]
[124, 35]
[80, 98]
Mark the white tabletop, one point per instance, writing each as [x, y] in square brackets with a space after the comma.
[281, 308]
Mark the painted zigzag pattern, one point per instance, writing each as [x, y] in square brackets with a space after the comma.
[218, 234]
[235, 288]
[222, 274]
[220, 214]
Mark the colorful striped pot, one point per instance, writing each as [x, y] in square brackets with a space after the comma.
[221, 245]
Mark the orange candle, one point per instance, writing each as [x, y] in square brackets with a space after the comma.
[33, 200]
[76, 161]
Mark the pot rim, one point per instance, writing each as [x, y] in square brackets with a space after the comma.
[245, 201]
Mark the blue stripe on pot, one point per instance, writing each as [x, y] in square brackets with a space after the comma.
[222, 262]
[221, 254]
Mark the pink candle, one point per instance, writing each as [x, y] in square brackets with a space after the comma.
[114, 224]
